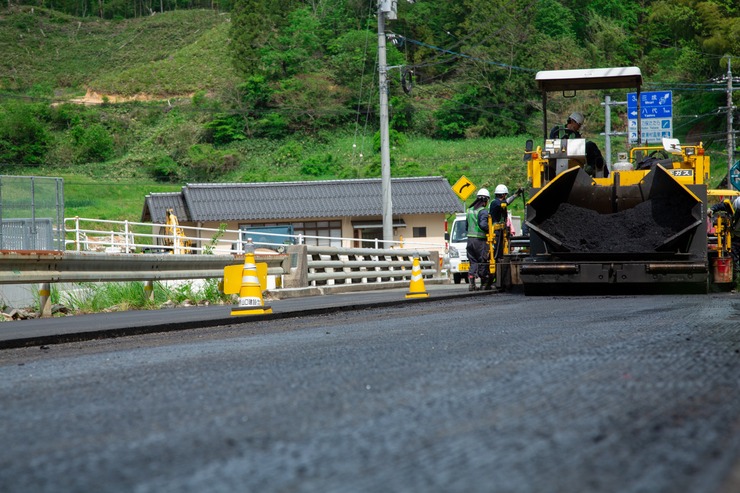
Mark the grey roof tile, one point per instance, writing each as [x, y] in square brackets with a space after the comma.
[301, 200]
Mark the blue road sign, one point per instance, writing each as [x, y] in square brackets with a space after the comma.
[656, 115]
[656, 104]
[735, 175]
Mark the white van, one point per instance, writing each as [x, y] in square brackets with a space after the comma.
[458, 241]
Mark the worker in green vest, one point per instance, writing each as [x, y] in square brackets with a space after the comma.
[477, 247]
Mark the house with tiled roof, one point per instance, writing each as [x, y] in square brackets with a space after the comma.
[329, 209]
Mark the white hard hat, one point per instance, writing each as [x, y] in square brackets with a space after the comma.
[577, 117]
[501, 190]
[483, 192]
[736, 204]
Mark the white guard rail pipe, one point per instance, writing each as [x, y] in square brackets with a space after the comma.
[313, 266]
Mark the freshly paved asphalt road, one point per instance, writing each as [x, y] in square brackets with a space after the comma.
[499, 393]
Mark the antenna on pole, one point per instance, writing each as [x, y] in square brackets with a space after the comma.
[386, 10]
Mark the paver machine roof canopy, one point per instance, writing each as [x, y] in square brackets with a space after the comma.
[572, 81]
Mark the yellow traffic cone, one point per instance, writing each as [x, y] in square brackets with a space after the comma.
[417, 290]
[250, 293]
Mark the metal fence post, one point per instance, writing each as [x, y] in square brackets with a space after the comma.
[45, 300]
[149, 290]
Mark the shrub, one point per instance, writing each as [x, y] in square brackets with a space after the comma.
[289, 153]
[24, 138]
[94, 143]
[206, 163]
[165, 169]
[224, 129]
[395, 139]
[320, 166]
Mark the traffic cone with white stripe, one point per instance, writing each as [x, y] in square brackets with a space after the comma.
[250, 293]
[416, 289]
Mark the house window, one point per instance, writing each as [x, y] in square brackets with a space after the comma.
[329, 233]
[420, 232]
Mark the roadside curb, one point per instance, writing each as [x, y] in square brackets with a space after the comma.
[45, 339]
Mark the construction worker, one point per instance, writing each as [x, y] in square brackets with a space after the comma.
[572, 130]
[731, 207]
[477, 248]
[499, 214]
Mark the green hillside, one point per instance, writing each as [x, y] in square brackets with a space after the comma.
[178, 52]
[121, 108]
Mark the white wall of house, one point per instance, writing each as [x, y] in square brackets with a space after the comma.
[434, 224]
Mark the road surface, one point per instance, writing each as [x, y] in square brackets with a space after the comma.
[500, 393]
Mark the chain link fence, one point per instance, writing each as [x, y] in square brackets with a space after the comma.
[31, 213]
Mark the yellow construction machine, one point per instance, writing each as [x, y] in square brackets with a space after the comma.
[639, 226]
[174, 237]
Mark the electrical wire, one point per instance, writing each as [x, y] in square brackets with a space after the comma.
[462, 55]
[359, 98]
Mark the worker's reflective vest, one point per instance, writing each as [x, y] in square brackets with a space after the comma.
[474, 229]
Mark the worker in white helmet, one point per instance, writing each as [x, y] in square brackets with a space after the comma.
[501, 197]
[571, 129]
[476, 247]
[499, 213]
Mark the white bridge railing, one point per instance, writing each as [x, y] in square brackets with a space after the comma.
[316, 266]
[101, 235]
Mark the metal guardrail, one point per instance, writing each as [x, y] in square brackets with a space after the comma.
[28, 267]
[302, 267]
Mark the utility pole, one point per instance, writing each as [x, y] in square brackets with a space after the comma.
[607, 104]
[386, 8]
[730, 132]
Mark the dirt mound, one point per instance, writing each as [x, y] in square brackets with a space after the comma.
[93, 98]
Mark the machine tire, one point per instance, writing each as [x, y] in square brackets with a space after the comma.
[456, 278]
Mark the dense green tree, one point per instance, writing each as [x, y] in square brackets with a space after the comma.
[24, 136]
[608, 42]
[312, 101]
[553, 19]
[306, 66]
[435, 33]
[93, 143]
[111, 9]
[297, 49]
[255, 27]
[495, 67]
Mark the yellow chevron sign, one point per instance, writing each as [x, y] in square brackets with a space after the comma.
[463, 188]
